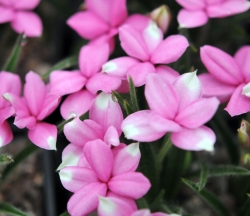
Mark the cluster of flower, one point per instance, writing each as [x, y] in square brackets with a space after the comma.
[96, 167]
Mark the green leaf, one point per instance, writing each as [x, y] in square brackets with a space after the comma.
[12, 61]
[26, 152]
[6, 208]
[65, 214]
[227, 170]
[208, 197]
[203, 176]
[127, 107]
[142, 203]
[63, 64]
[133, 96]
[158, 200]
[6, 159]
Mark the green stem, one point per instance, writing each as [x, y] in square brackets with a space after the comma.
[166, 146]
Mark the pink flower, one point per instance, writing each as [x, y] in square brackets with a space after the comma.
[91, 59]
[228, 77]
[197, 12]
[106, 173]
[178, 108]
[31, 109]
[113, 206]
[18, 13]
[146, 49]
[9, 82]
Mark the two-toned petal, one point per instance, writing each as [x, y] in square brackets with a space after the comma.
[5, 134]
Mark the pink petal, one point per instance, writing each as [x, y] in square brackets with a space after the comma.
[106, 112]
[138, 21]
[167, 73]
[118, 67]
[102, 165]
[28, 121]
[103, 82]
[26, 4]
[228, 8]
[198, 113]
[79, 132]
[112, 206]
[147, 126]
[242, 57]
[188, 88]
[76, 104]
[139, 72]
[5, 134]
[34, 92]
[73, 178]
[91, 59]
[238, 103]
[44, 135]
[169, 50]
[152, 36]
[192, 4]
[202, 138]
[133, 43]
[111, 136]
[161, 96]
[27, 22]
[124, 87]
[118, 12]
[87, 24]
[142, 212]
[127, 159]
[70, 156]
[6, 113]
[6, 14]
[191, 19]
[131, 184]
[213, 87]
[108, 38]
[83, 162]
[64, 82]
[49, 105]
[86, 200]
[221, 65]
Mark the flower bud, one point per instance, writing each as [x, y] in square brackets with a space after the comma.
[162, 17]
[6, 159]
[244, 133]
[245, 160]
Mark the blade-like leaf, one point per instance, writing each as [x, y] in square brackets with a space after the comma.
[12, 61]
[227, 170]
[210, 198]
[142, 203]
[28, 150]
[11, 210]
[133, 96]
[65, 214]
[203, 176]
[63, 64]
[157, 202]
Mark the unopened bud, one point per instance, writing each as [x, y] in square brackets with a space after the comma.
[244, 133]
[162, 17]
[6, 159]
[245, 160]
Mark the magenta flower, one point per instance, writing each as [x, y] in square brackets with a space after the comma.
[106, 173]
[146, 49]
[178, 108]
[36, 104]
[91, 59]
[228, 77]
[22, 20]
[197, 12]
[9, 82]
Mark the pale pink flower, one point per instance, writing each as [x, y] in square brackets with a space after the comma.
[113, 206]
[22, 20]
[146, 48]
[105, 172]
[197, 12]
[91, 59]
[228, 77]
[9, 82]
[178, 108]
[36, 104]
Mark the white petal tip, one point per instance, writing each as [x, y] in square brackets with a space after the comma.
[130, 131]
[133, 149]
[109, 67]
[7, 97]
[65, 176]
[206, 145]
[1, 142]
[52, 143]
[106, 205]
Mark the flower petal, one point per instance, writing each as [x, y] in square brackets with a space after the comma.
[79, 132]
[138, 21]
[44, 135]
[130, 184]
[27, 22]
[202, 138]
[76, 104]
[167, 73]
[192, 4]
[102, 165]
[6, 14]
[169, 50]
[111, 136]
[5, 134]
[242, 57]
[26, 4]
[198, 113]
[86, 200]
